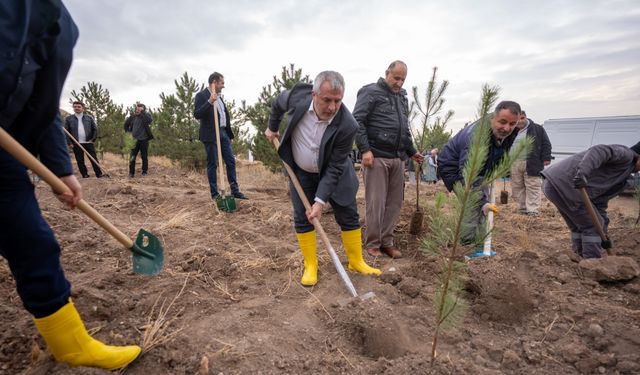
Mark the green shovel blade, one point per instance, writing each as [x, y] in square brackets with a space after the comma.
[148, 257]
[226, 203]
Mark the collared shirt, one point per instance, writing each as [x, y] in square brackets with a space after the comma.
[221, 112]
[82, 136]
[306, 139]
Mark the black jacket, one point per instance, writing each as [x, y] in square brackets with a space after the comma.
[204, 112]
[540, 150]
[146, 120]
[383, 122]
[89, 124]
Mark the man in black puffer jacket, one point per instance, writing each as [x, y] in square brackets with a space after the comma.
[385, 143]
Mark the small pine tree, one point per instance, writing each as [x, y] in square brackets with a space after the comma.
[448, 228]
[258, 115]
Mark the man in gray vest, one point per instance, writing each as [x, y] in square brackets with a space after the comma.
[83, 128]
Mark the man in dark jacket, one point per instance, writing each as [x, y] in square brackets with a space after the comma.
[385, 142]
[603, 170]
[204, 102]
[526, 181]
[454, 155]
[86, 135]
[316, 144]
[138, 125]
[36, 40]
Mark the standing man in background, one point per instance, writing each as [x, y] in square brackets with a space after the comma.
[138, 125]
[83, 128]
[385, 142]
[204, 102]
[526, 181]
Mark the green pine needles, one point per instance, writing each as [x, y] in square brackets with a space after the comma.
[453, 219]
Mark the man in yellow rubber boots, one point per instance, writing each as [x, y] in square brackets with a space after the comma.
[316, 144]
[37, 37]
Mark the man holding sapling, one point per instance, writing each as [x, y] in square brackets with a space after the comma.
[603, 171]
[454, 155]
[385, 142]
[316, 144]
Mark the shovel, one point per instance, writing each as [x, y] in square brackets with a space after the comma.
[226, 203]
[323, 235]
[504, 194]
[104, 171]
[606, 242]
[486, 248]
[146, 251]
[418, 216]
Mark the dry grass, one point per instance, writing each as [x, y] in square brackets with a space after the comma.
[156, 331]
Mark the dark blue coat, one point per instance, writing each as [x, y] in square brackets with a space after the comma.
[35, 57]
[453, 157]
[204, 112]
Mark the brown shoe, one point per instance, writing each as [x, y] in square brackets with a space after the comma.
[374, 252]
[392, 251]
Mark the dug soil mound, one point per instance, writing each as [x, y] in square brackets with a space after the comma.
[229, 299]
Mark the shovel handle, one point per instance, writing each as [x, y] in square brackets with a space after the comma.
[217, 126]
[27, 159]
[594, 217]
[85, 151]
[318, 226]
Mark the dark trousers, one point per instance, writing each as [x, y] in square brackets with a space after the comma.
[77, 151]
[143, 148]
[212, 163]
[28, 244]
[346, 216]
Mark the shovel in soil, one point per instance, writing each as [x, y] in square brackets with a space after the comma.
[323, 235]
[486, 249]
[418, 216]
[147, 252]
[226, 203]
[104, 171]
[606, 242]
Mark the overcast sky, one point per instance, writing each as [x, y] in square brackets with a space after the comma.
[570, 58]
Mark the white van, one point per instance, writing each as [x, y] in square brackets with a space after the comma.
[569, 136]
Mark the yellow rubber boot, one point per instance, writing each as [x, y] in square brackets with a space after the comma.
[352, 241]
[68, 341]
[307, 243]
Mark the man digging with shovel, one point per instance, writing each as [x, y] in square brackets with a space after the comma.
[41, 35]
[316, 144]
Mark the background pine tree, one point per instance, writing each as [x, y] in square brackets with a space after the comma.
[258, 114]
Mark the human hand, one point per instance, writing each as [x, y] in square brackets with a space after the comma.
[70, 198]
[489, 207]
[271, 135]
[315, 212]
[579, 181]
[418, 158]
[213, 97]
[367, 159]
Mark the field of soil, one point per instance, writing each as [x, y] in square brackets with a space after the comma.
[229, 300]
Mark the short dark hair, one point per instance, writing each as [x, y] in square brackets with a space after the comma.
[512, 107]
[78, 102]
[215, 76]
[523, 113]
[141, 105]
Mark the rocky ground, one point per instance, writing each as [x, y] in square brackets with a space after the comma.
[229, 299]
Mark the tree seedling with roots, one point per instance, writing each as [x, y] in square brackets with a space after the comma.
[451, 218]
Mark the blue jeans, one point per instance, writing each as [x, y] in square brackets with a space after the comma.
[212, 163]
[28, 243]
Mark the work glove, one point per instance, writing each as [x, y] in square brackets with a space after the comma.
[579, 181]
[489, 207]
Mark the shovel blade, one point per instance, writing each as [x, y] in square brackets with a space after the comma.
[148, 254]
[226, 203]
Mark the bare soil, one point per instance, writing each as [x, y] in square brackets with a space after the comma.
[229, 299]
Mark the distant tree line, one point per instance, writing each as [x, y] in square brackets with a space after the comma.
[176, 130]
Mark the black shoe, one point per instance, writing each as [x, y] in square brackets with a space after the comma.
[215, 196]
[130, 175]
[144, 173]
[239, 195]
[85, 176]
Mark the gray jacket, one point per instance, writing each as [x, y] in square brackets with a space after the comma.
[606, 168]
[383, 122]
[89, 124]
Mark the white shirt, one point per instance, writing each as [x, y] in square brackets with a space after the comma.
[223, 114]
[82, 136]
[306, 139]
[521, 134]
